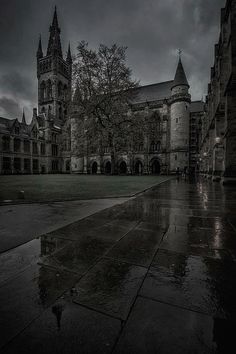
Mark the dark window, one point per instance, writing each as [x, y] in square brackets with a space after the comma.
[42, 149]
[6, 163]
[60, 113]
[26, 146]
[16, 145]
[42, 91]
[175, 157]
[54, 150]
[177, 120]
[6, 143]
[17, 164]
[17, 130]
[55, 165]
[35, 165]
[35, 148]
[27, 165]
[54, 137]
[155, 146]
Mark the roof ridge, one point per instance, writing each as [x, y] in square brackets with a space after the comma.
[157, 83]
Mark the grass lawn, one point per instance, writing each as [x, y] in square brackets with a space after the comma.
[65, 187]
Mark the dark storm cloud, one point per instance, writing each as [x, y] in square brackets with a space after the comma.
[9, 106]
[153, 30]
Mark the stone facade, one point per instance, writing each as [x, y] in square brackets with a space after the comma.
[43, 146]
[162, 148]
[218, 130]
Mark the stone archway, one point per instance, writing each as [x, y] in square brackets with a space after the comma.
[94, 168]
[138, 167]
[123, 168]
[155, 167]
[107, 168]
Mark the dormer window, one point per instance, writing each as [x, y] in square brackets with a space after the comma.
[17, 130]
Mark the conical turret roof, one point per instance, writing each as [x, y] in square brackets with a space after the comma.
[180, 77]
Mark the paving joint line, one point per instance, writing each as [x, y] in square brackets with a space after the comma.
[137, 294]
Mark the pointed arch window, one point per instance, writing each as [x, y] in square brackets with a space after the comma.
[42, 91]
[65, 92]
[155, 146]
[49, 89]
[60, 89]
[60, 113]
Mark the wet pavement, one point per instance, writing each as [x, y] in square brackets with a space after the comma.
[155, 274]
[21, 223]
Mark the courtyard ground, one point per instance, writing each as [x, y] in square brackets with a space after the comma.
[42, 188]
[155, 274]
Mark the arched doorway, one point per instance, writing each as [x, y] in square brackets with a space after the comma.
[107, 168]
[123, 168]
[94, 167]
[155, 167]
[138, 168]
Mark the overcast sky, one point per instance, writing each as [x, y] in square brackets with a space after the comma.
[153, 30]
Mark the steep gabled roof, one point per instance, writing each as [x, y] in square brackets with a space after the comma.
[153, 92]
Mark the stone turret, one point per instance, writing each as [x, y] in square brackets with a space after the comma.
[179, 121]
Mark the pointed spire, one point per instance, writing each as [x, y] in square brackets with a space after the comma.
[54, 43]
[40, 50]
[23, 121]
[180, 77]
[55, 20]
[69, 57]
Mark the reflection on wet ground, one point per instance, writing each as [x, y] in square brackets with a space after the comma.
[155, 274]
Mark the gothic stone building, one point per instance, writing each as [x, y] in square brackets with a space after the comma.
[218, 130]
[170, 143]
[43, 146]
[50, 143]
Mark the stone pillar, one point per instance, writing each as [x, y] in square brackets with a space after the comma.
[229, 175]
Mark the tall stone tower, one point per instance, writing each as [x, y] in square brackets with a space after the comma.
[179, 121]
[54, 77]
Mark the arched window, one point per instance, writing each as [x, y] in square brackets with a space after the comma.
[6, 143]
[152, 146]
[49, 89]
[155, 146]
[42, 90]
[60, 113]
[60, 89]
[65, 92]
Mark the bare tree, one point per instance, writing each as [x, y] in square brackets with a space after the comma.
[104, 91]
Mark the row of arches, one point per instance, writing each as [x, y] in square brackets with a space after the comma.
[154, 167]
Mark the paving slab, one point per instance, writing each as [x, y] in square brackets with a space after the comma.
[30, 253]
[78, 256]
[22, 223]
[110, 287]
[197, 283]
[24, 297]
[154, 327]
[67, 328]
[138, 246]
